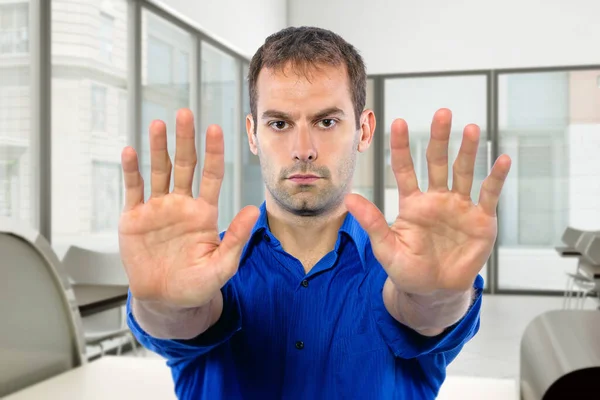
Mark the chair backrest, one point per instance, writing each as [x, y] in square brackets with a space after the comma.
[40, 324]
[85, 266]
[571, 236]
[589, 247]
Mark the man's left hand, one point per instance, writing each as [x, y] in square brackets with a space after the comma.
[440, 240]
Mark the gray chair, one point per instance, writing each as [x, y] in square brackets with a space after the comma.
[571, 236]
[89, 267]
[589, 247]
[560, 356]
[40, 331]
[578, 285]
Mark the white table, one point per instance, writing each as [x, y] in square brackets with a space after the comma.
[475, 388]
[110, 377]
[126, 378]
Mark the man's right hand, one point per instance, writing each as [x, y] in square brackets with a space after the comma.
[170, 245]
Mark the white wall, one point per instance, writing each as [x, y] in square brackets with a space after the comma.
[243, 24]
[435, 35]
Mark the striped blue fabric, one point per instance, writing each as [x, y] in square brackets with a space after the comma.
[285, 334]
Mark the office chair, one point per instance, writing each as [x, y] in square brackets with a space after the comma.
[40, 334]
[578, 284]
[560, 356]
[570, 236]
[85, 266]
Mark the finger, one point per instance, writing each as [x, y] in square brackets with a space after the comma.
[134, 183]
[371, 219]
[235, 239]
[160, 163]
[464, 165]
[185, 153]
[437, 150]
[492, 185]
[402, 163]
[214, 166]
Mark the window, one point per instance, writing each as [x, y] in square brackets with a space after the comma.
[183, 68]
[18, 164]
[159, 61]
[98, 108]
[220, 98]
[362, 182]
[167, 82]
[89, 120]
[107, 196]
[106, 37]
[9, 189]
[548, 124]
[14, 28]
[123, 115]
[253, 190]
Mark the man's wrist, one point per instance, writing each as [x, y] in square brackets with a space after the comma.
[168, 322]
[427, 314]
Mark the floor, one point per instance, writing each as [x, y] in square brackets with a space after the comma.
[494, 351]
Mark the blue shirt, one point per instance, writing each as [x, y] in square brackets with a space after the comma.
[285, 334]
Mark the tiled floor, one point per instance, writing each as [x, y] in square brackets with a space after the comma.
[494, 351]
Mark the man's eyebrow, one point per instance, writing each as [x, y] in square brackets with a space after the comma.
[329, 112]
[276, 114]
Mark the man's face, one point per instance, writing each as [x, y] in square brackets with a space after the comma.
[306, 137]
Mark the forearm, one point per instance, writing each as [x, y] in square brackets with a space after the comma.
[165, 322]
[429, 315]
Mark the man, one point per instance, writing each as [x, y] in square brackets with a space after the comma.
[313, 295]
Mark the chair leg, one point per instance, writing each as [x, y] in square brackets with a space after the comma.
[569, 293]
[133, 346]
[582, 298]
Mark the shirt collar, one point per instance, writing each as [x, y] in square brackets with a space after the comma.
[350, 228]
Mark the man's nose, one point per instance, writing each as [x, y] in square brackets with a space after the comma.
[304, 148]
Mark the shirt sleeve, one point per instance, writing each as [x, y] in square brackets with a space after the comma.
[406, 342]
[228, 324]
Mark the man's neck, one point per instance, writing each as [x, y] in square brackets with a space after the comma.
[306, 238]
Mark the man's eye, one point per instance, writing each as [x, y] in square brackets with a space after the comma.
[327, 123]
[278, 125]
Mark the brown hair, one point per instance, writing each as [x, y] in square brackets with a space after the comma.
[306, 47]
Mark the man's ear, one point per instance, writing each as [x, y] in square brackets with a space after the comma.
[250, 131]
[367, 129]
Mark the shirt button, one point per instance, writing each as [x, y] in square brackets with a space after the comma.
[267, 238]
[305, 283]
[299, 345]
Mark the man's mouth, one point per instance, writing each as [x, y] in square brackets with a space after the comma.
[303, 178]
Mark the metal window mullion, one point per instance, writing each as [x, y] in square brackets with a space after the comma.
[237, 140]
[379, 145]
[199, 118]
[40, 53]
[134, 78]
[493, 137]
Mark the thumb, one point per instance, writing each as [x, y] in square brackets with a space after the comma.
[236, 237]
[370, 218]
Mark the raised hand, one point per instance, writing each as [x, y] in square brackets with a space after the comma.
[170, 244]
[440, 239]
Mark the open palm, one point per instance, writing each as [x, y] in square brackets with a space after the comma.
[170, 244]
[440, 239]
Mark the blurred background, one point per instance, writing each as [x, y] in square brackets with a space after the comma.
[81, 79]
